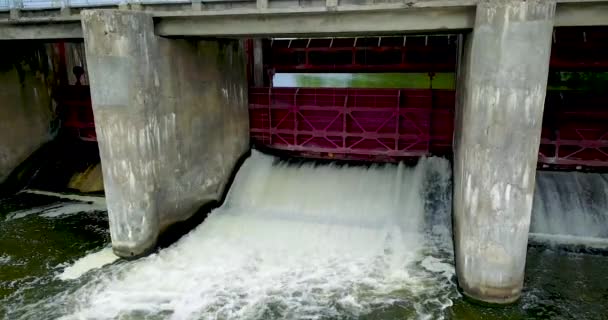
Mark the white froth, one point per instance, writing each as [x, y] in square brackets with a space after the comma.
[5, 259]
[437, 265]
[569, 240]
[89, 262]
[291, 242]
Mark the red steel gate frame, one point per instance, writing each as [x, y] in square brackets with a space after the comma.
[392, 124]
[374, 124]
[575, 130]
[387, 124]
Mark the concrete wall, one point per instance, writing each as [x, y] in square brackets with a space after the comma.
[501, 95]
[26, 109]
[171, 120]
[258, 63]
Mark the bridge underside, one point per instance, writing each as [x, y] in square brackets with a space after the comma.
[35, 19]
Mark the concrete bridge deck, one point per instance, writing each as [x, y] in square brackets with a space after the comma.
[60, 19]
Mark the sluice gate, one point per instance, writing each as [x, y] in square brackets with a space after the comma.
[394, 124]
[388, 124]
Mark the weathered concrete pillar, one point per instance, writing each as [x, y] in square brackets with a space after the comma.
[503, 79]
[171, 120]
[258, 63]
[26, 108]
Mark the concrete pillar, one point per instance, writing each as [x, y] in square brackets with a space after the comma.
[171, 120]
[258, 63]
[501, 92]
[26, 108]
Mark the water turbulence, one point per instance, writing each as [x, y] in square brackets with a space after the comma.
[295, 241]
[571, 208]
[91, 261]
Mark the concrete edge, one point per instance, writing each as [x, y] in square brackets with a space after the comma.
[304, 21]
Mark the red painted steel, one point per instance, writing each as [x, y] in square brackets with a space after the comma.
[385, 124]
[575, 130]
[392, 124]
[76, 112]
[371, 54]
[365, 124]
[580, 49]
[573, 49]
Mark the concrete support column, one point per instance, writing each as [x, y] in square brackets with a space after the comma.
[258, 63]
[171, 120]
[502, 85]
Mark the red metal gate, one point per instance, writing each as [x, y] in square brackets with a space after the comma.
[435, 53]
[76, 112]
[376, 124]
[392, 124]
[581, 48]
[575, 130]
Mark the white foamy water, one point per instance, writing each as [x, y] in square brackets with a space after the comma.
[76, 204]
[573, 205]
[294, 242]
[569, 241]
[89, 262]
[5, 259]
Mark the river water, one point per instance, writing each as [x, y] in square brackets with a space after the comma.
[301, 241]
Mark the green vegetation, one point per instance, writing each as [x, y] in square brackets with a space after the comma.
[590, 81]
[365, 80]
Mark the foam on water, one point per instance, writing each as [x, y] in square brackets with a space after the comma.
[293, 242]
[89, 262]
[569, 241]
[74, 204]
[5, 259]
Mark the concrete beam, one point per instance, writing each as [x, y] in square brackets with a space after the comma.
[258, 63]
[64, 30]
[294, 18]
[319, 22]
[581, 14]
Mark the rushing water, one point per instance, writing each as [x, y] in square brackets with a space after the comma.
[292, 241]
[571, 203]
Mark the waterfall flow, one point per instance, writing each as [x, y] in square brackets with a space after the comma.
[295, 241]
[571, 204]
[312, 241]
